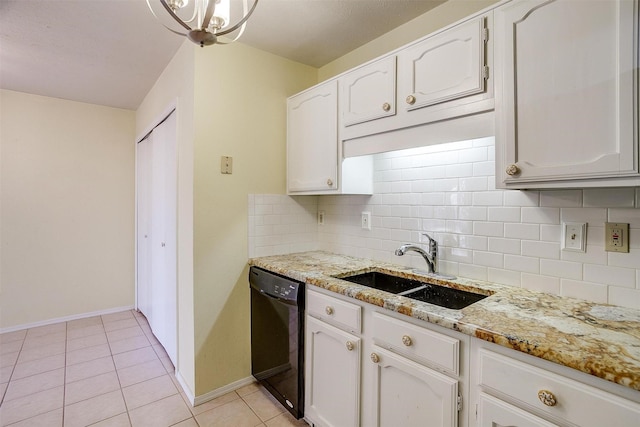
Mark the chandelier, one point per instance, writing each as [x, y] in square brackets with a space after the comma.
[204, 21]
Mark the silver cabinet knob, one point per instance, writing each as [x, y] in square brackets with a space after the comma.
[386, 106]
[411, 99]
[512, 170]
[350, 346]
[375, 358]
[547, 398]
[330, 182]
[163, 244]
[406, 340]
[329, 310]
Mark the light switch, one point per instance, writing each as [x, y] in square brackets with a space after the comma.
[226, 165]
[616, 237]
[574, 236]
[366, 221]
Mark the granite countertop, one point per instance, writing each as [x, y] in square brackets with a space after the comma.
[599, 339]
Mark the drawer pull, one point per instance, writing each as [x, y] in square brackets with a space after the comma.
[406, 340]
[329, 310]
[375, 358]
[386, 107]
[547, 398]
[411, 99]
[330, 182]
[350, 346]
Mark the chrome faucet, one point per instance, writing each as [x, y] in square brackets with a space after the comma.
[431, 257]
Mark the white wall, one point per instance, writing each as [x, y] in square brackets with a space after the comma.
[504, 236]
[67, 200]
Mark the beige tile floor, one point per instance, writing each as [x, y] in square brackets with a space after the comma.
[111, 371]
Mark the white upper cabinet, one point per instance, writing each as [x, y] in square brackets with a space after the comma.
[312, 139]
[447, 66]
[566, 85]
[369, 92]
[443, 76]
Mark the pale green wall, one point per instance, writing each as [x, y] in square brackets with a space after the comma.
[240, 111]
[67, 208]
[441, 16]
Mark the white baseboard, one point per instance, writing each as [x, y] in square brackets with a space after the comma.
[187, 390]
[198, 400]
[64, 319]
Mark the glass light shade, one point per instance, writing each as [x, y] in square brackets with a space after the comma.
[221, 15]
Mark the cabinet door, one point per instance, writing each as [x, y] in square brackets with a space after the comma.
[409, 394]
[496, 413]
[444, 67]
[312, 139]
[565, 74]
[369, 92]
[332, 377]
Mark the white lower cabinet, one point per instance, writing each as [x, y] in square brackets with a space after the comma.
[409, 394]
[383, 372]
[515, 389]
[332, 375]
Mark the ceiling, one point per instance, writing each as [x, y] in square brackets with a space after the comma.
[110, 52]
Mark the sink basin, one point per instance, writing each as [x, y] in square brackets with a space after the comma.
[418, 290]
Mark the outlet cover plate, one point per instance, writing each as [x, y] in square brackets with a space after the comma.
[616, 237]
[574, 236]
[366, 220]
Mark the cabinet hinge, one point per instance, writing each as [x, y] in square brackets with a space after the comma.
[485, 72]
[459, 400]
[485, 35]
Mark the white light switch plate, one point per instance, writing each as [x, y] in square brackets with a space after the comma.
[574, 236]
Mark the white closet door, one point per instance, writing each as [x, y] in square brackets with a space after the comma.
[157, 291]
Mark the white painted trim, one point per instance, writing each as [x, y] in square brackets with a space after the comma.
[185, 387]
[65, 319]
[199, 400]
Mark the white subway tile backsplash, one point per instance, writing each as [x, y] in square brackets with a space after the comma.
[615, 276]
[609, 197]
[448, 190]
[624, 297]
[505, 246]
[524, 264]
[488, 259]
[488, 198]
[541, 215]
[504, 214]
[562, 269]
[584, 290]
[561, 198]
[540, 283]
[505, 277]
[522, 231]
[549, 250]
[495, 229]
[521, 198]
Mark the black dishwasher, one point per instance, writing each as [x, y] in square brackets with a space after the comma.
[277, 337]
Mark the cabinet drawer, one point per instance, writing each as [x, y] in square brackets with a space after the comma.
[414, 342]
[341, 313]
[575, 402]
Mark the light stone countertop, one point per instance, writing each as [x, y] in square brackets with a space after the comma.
[599, 339]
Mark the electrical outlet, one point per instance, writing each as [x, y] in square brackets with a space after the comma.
[616, 237]
[366, 221]
[574, 236]
[320, 217]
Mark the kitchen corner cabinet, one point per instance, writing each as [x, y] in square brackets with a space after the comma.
[516, 389]
[314, 156]
[566, 79]
[442, 76]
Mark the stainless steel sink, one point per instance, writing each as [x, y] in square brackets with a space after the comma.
[416, 289]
